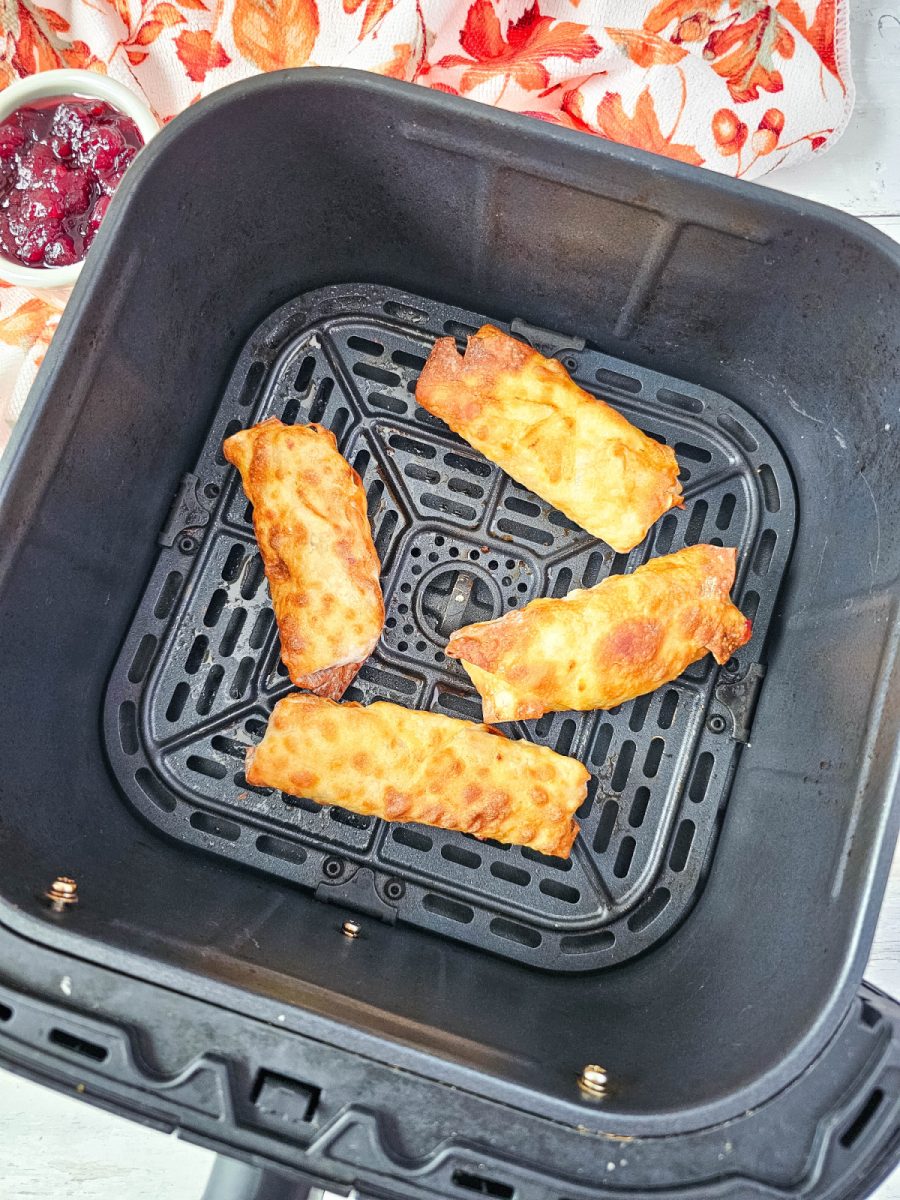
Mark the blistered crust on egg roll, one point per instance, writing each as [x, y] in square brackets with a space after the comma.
[392, 762]
[523, 412]
[309, 514]
[600, 646]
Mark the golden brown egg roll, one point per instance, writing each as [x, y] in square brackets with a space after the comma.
[524, 412]
[309, 514]
[600, 646]
[392, 762]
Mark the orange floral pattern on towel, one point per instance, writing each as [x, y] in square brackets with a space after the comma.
[741, 86]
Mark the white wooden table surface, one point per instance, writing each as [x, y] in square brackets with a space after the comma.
[52, 1145]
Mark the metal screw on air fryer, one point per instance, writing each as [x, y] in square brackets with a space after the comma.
[731, 666]
[333, 867]
[62, 893]
[716, 724]
[187, 545]
[593, 1079]
[350, 929]
[211, 491]
[394, 889]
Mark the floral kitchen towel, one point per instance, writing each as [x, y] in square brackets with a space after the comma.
[741, 86]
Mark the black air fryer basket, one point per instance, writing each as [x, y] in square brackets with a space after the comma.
[292, 246]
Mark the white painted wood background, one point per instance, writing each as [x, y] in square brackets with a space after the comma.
[52, 1145]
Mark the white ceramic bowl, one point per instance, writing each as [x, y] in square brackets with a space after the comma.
[44, 86]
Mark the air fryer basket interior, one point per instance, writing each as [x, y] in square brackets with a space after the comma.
[257, 197]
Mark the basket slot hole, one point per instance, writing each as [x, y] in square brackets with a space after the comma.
[210, 689]
[242, 678]
[587, 943]
[543, 726]
[701, 778]
[168, 594]
[605, 826]
[441, 906]
[309, 806]
[413, 838]
[561, 583]
[681, 846]
[323, 395]
[525, 508]
[276, 848]
[540, 537]
[618, 564]
[215, 608]
[254, 573]
[154, 790]
[466, 487]
[726, 510]
[366, 346]
[352, 820]
[248, 514]
[377, 374]
[547, 860]
[387, 403]
[234, 560]
[232, 632]
[623, 859]
[483, 1186]
[561, 521]
[625, 383]
[179, 699]
[194, 660]
[639, 710]
[206, 766]
[403, 358]
[230, 430]
[638, 809]
[304, 375]
[78, 1045]
[762, 559]
[511, 931]
[6, 1013]
[592, 569]
[560, 891]
[654, 757]
[694, 529]
[142, 658]
[665, 534]
[385, 532]
[290, 411]
[462, 705]
[750, 604]
[405, 312]
[679, 400]
[566, 737]
[693, 453]
[667, 709]
[339, 423]
[218, 827]
[769, 484]
[251, 383]
[510, 874]
[461, 856]
[739, 432]
[361, 462]
[255, 727]
[623, 765]
[386, 679]
[857, 1127]
[128, 734]
[261, 627]
[460, 462]
[459, 329]
[453, 507]
[649, 911]
[411, 446]
[425, 474]
[227, 745]
[602, 741]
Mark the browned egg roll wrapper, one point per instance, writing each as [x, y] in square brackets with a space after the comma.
[600, 646]
[524, 412]
[309, 513]
[393, 762]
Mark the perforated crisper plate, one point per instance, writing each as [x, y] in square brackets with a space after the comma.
[459, 541]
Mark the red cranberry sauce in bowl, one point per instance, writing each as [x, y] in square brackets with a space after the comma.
[61, 159]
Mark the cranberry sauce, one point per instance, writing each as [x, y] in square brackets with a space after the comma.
[60, 162]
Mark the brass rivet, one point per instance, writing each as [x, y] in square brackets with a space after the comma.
[350, 929]
[62, 893]
[593, 1079]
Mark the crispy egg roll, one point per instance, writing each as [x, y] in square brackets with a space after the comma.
[524, 412]
[600, 646]
[309, 514]
[393, 762]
